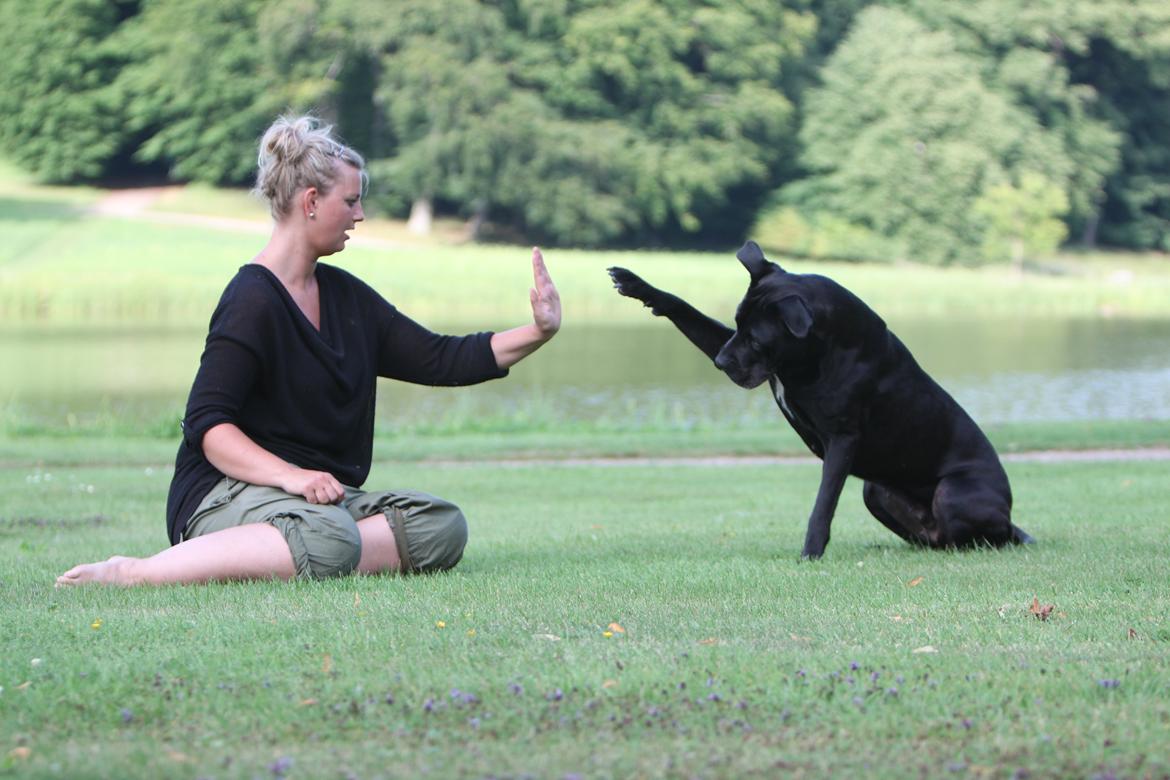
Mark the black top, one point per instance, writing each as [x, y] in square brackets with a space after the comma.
[303, 395]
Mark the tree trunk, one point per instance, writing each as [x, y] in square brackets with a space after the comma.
[475, 224]
[421, 216]
[1089, 234]
[1017, 245]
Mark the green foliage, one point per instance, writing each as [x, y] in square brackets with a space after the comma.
[210, 75]
[591, 124]
[1022, 222]
[601, 122]
[784, 229]
[59, 115]
[904, 137]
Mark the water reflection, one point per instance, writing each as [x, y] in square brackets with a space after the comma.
[1002, 371]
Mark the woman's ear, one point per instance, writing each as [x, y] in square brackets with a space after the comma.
[309, 202]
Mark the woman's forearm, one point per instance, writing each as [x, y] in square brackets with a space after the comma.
[512, 346]
[235, 455]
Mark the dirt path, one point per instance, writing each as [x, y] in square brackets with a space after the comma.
[1039, 456]
[137, 203]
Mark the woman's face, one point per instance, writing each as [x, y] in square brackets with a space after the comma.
[337, 211]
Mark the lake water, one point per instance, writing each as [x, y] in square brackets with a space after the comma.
[1001, 371]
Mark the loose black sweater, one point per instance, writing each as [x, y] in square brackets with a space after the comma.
[303, 395]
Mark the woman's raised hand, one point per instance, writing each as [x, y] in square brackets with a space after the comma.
[546, 301]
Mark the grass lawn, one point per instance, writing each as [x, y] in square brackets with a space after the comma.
[616, 621]
[628, 619]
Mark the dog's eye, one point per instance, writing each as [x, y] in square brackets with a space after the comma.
[755, 345]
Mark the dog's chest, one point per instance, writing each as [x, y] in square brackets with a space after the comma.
[778, 393]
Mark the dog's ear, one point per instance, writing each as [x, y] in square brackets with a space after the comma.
[795, 314]
[753, 260]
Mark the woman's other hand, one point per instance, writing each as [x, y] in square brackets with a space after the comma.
[318, 487]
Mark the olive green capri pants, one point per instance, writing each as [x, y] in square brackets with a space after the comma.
[430, 533]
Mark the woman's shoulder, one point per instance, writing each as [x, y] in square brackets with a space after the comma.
[251, 295]
[339, 279]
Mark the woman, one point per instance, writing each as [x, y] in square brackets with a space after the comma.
[278, 433]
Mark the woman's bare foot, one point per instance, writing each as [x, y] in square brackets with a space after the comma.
[115, 571]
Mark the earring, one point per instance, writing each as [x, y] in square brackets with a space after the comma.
[312, 215]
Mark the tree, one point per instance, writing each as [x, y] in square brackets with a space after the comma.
[904, 137]
[1025, 52]
[59, 115]
[586, 122]
[1022, 221]
[210, 75]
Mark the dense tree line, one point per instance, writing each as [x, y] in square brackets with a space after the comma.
[934, 130]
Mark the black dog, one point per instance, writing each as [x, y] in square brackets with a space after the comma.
[859, 401]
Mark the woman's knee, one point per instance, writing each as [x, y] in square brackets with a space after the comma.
[431, 532]
[324, 541]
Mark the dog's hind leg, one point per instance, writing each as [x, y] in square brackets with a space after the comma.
[907, 518]
[971, 512]
[708, 334]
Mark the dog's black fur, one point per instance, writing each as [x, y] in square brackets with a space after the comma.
[859, 401]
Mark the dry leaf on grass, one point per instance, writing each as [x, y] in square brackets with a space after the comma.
[1040, 612]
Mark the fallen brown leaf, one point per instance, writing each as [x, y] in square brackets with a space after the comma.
[1040, 612]
[915, 582]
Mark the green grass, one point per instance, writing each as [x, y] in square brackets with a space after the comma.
[64, 266]
[736, 660]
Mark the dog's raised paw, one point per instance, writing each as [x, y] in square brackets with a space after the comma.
[627, 283]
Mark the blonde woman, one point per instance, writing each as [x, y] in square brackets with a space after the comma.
[278, 432]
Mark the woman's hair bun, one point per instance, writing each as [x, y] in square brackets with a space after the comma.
[295, 153]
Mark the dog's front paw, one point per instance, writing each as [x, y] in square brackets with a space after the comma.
[814, 548]
[631, 285]
[628, 283]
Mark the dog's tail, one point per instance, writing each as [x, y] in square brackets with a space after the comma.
[1020, 536]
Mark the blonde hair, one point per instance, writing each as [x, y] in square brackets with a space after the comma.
[299, 152]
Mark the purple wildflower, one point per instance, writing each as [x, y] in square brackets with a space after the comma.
[854, 666]
[1109, 683]
[127, 715]
[515, 689]
[280, 766]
